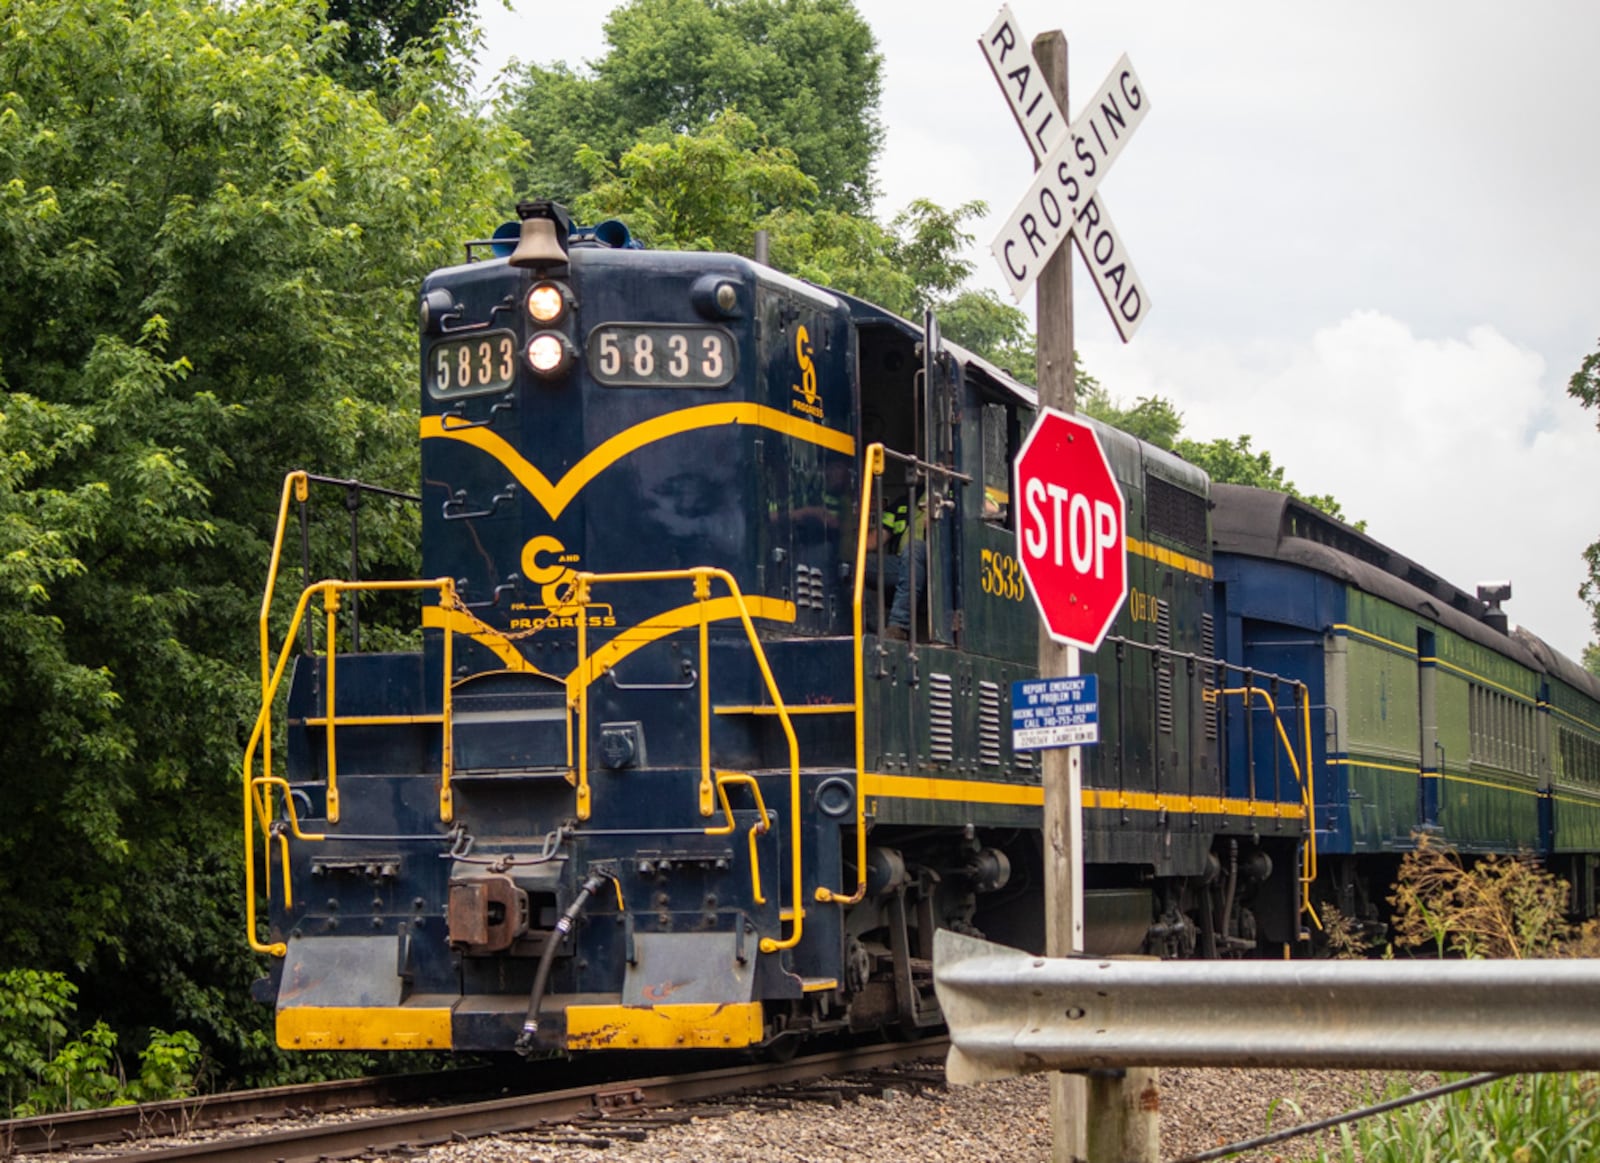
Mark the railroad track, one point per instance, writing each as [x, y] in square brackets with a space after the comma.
[613, 1108]
[76, 1130]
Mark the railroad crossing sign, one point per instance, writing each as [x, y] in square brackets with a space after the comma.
[1072, 159]
[1070, 538]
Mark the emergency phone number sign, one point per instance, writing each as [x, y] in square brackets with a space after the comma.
[1055, 712]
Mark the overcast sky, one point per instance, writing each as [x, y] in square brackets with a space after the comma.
[1368, 232]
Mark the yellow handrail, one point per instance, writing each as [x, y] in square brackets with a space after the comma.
[872, 469]
[578, 696]
[256, 793]
[759, 828]
[1304, 780]
[296, 485]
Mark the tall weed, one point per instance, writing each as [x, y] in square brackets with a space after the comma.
[1497, 907]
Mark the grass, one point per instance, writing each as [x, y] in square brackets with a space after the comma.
[1493, 908]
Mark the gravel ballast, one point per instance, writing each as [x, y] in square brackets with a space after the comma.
[1009, 1120]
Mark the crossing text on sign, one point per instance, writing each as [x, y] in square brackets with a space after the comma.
[1072, 158]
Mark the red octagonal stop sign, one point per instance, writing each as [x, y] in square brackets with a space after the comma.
[1071, 527]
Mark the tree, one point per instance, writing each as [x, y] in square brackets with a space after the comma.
[982, 323]
[1584, 386]
[709, 190]
[1154, 420]
[1234, 462]
[379, 32]
[806, 71]
[714, 188]
[208, 258]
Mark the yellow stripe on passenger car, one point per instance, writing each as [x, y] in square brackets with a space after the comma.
[1481, 680]
[1169, 557]
[1379, 638]
[556, 497]
[364, 1028]
[1518, 789]
[665, 1027]
[1379, 766]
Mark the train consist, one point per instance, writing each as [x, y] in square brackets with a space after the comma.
[665, 770]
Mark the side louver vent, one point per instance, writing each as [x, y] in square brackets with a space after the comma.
[808, 589]
[1208, 675]
[989, 724]
[1164, 667]
[941, 719]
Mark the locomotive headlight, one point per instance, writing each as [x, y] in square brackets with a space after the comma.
[547, 302]
[549, 354]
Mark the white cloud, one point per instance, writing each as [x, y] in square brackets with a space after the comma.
[1413, 171]
[1464, 453]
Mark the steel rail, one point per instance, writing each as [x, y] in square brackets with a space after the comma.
[422, 1128]
[77, 1130]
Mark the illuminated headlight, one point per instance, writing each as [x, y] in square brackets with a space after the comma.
[549, 353]
[547, 302]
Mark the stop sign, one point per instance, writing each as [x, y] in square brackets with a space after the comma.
[1071, 526]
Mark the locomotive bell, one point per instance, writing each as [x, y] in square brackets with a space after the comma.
[543, 241]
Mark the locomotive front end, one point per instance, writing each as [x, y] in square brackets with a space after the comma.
[575, 818]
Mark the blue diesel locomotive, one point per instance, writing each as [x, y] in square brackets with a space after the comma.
[660, 773]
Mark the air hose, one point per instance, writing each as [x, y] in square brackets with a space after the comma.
[541, 976]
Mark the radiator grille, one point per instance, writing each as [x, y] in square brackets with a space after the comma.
[989, 724]
[941, 718]
[1164, 666]
[1208, 675]
[1175, 512]
[808, 589]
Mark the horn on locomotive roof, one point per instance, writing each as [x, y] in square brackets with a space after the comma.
[1493, 593]
[543, 241]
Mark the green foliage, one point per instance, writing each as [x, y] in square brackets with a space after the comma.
[1584, 386]
[981, 322]
[704, 191]
[713, 189]
[379, 32]
[807, 71]
[34, 1007]
[1151, 418]
[906, 267]
[1234, 462]
[1494, 908]
[81, 1076]
[1227, 461]
[1591, 658]
[41, 1071]
[1533, 1118]
[1497, 907]
[208, 258]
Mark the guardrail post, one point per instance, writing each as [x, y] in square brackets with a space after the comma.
[1123, 1120]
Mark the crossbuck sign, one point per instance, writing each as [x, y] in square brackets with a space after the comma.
[1072, 159]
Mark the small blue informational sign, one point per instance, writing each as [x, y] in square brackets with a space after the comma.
[1055, 712]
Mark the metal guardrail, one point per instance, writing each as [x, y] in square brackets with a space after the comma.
[1012, 1013]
